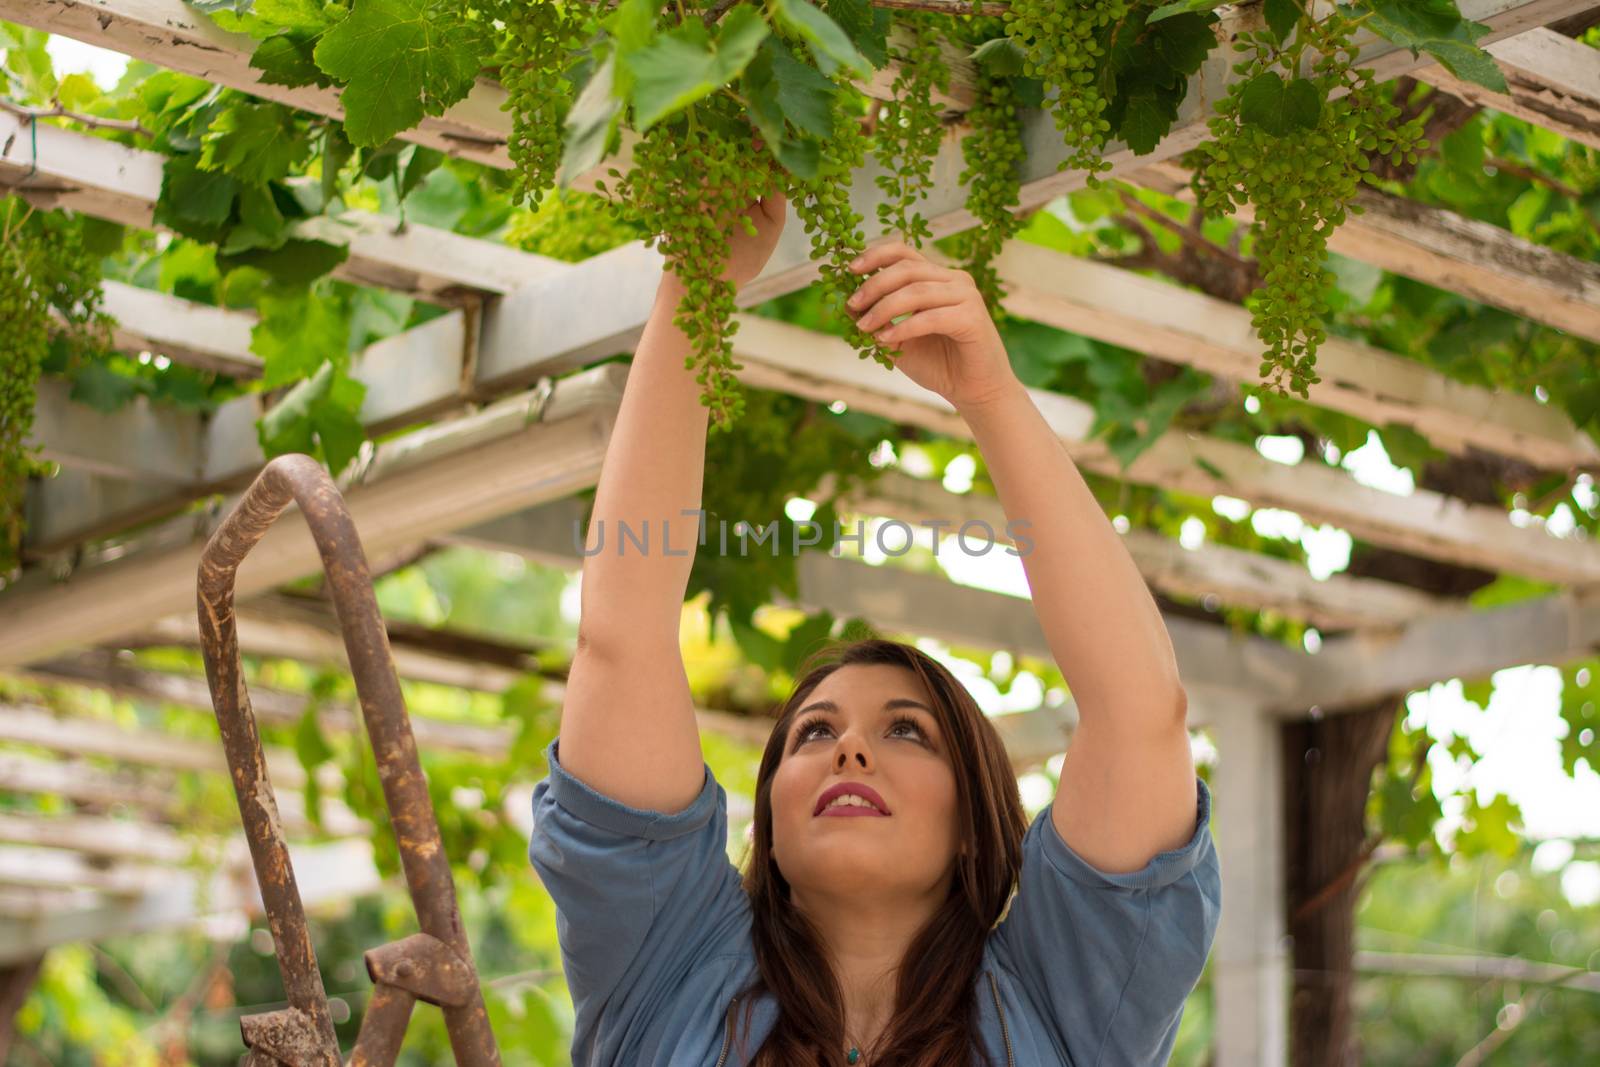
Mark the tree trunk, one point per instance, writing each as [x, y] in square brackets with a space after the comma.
[15, 981]
[1328, 765]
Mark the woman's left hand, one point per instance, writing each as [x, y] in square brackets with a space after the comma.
[949, 344]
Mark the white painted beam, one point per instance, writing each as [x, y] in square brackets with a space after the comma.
[784, 357]
[1180, 325]
[1356, 668]
[97, 836]
[194, 334]
[433, 479]
[121, 184]
[171, 34]
[325, 873]
[1553, 81]
[1234, 576]
[1448, 251]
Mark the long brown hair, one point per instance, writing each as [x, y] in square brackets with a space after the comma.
[934, 1022]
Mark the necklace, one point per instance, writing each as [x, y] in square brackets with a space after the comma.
[855, 1053]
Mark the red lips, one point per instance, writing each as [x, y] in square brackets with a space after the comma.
[866, 792]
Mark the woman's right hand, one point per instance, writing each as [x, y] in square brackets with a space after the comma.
[747, 255]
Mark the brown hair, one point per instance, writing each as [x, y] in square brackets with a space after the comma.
[934, 1021]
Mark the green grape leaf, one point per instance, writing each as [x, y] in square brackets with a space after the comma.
[590, 123]
[211, 7]
[1183, 43]
[101, 388]
[828, 43]
[307, 16]
[763, 96]
[1493, 827]
[1435, 27]
[681, 66]
[1278, 107]
[310, 744]
[1000, 56]
[1282, 15]
[809, 634]
[422, 162]
[321, 410]
[805, 96]
[255, 141]
[866, 25]
[400, 60]
[1167, 11]
[295, 262]
[296, 334]
[260, 217]
[288, 59]
[758, 646]
[195, 202]
[1144, 122]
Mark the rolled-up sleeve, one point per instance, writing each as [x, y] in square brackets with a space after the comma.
[1109, 959]
[641, 897]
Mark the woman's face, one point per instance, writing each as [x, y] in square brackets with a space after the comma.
[851, 729]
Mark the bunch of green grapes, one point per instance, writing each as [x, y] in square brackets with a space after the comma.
[43, 266]
[993, 153]
[690, 184]
[533, 48]
[1300, 182]
[822, 204]
[1061, 47]
[909, 129]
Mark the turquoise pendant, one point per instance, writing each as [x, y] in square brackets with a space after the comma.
[854, 1055]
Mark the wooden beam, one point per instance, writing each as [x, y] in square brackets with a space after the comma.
[925, 604]
[1440, 248]
[171, 34]
[1234, 576]
[433, 479]
[121, 184]
[140, 440]
[790, 359]
[46, 868]
[1552, 80]
[1182, 326]
[1355, 668]
[1477, 969]
[194, 334]
[87, 784]
[103, 668]
[97, 836]
[325, 873]
[38, 727]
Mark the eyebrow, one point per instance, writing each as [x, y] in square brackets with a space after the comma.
[889, 705]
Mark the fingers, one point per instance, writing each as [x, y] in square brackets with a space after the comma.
[932, 320]
[917, 296]
[882, 255]
[892, 277]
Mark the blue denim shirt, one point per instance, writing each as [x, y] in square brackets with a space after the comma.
[1085, 969]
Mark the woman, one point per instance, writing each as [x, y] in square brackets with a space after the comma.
[874, 925]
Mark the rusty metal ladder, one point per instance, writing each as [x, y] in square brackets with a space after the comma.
[434, 965]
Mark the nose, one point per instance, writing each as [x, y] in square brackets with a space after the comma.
[851, 750]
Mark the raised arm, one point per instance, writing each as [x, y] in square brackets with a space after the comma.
[627, 727]
[1127, 788]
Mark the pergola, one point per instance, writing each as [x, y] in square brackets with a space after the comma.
[516, 425]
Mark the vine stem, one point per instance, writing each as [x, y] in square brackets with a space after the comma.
[59, 112]
[943, 7]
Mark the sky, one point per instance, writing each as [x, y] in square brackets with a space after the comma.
[1519, 733]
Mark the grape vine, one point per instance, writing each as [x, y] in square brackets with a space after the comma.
[1286, 146]
[1062, 44]
[992, 151]
[823, 206]
[44, 268]
[689, 186]
[910, 129]
[532, 52]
